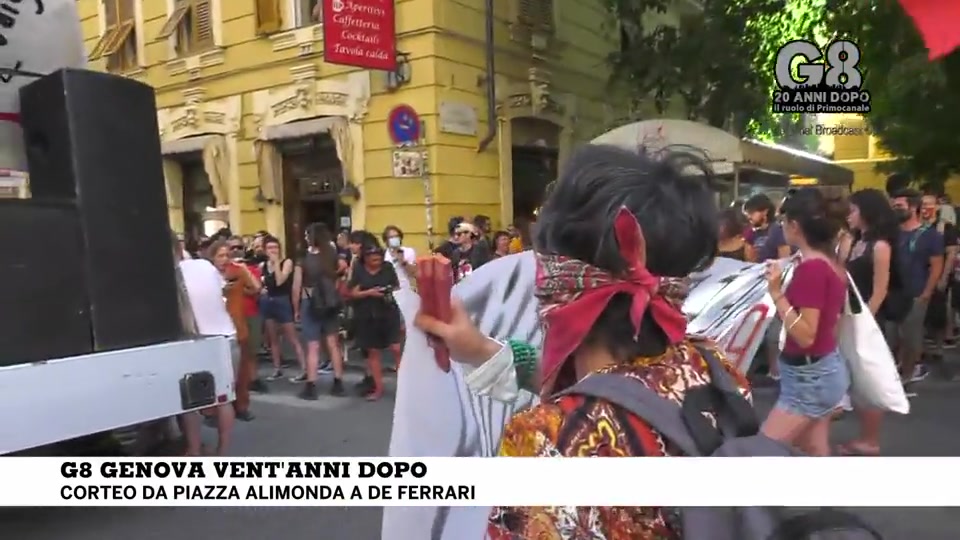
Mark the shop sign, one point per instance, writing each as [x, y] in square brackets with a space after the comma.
[360, 33]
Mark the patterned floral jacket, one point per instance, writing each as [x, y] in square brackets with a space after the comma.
[575, 426]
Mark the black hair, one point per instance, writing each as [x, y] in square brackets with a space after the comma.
[481, 222]
[914, 198]
[496, 238]
[269, 239]
[318, 235]
[394, 228]
[897, 182]
[761, 203]
[357, 237]
[819, 217]
[676, 211]
[878, 216]
[730, 223]
[452, 224]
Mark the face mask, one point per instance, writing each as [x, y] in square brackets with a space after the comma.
[393, 241]
[903, 214]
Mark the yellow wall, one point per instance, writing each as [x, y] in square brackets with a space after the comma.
[861, 152]
[444, 39]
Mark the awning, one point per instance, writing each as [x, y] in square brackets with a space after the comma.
[303, 128]
[213, 152]
[721, 149]
[187, 145]
[724, 150]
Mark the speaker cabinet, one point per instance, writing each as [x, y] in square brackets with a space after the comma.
[45, 313]
[92, 139]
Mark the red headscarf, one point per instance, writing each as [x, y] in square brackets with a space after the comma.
[573, 294]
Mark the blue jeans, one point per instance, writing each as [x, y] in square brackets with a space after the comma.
[813, 390]
[276, 308]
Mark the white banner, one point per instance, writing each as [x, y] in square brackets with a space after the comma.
[460, 482]
[435, 414]
[36, 36]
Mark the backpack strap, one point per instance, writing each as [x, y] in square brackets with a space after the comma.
[683, 425]
[735, 416]
[660, 413]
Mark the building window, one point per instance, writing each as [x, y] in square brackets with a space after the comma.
[536, 14]
[118, 44]
[307, 12]
[191, 24]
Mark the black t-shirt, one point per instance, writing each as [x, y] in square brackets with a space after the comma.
[465, 262]
[317, 266]
[373, 307]
[446, 249]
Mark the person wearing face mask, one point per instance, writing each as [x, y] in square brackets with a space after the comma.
[402, 257]
[920, 255]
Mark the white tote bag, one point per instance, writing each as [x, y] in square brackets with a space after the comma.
[874, 381]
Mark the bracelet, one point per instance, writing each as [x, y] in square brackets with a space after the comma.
[788, 312]
[525, 363]
[794, 323]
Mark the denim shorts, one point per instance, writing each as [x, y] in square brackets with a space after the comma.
[313, 328]
[813, 390]
[276, 308]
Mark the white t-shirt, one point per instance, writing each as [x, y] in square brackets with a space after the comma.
[410, 256]
[204, 286]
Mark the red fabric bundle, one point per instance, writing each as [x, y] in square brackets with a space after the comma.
[938, 22]
[435, 285]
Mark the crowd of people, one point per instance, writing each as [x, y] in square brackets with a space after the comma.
[335, 297]
[615, 241]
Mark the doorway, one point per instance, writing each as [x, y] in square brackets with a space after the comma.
[312, 181]
[535, 163]
[534, 168]
[199, 206]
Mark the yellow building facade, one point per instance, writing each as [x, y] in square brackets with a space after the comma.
[258, 132]
[848, 139]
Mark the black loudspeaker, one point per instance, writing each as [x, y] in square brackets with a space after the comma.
[45, 313]
[92, 138]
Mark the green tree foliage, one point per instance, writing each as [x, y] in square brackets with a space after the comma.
[915, 103]
[718, 60]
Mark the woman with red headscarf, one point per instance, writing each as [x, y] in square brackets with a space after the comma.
[615, 239]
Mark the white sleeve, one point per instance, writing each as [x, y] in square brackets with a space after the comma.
[410, 255]
[497, 377]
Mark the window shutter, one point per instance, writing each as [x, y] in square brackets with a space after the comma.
[117, 39]
[269, 19]
[105, 39]
[170, 26]
[202, 24]
[536, 13]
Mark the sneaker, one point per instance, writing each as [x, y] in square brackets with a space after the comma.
[276, 376]
[920, 373]
[950, 343]
[245, 416]
[337, 388]
[299, 378]
[259, 386]
[309, 392]
[325, 368]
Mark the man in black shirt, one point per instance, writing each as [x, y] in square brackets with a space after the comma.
[470, 253]
[449, 246]
[940, 312]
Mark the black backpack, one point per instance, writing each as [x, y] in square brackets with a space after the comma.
[737, 435]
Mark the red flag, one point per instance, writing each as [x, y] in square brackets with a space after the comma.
[938, 22]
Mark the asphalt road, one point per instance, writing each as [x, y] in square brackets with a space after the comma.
[286, 426]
